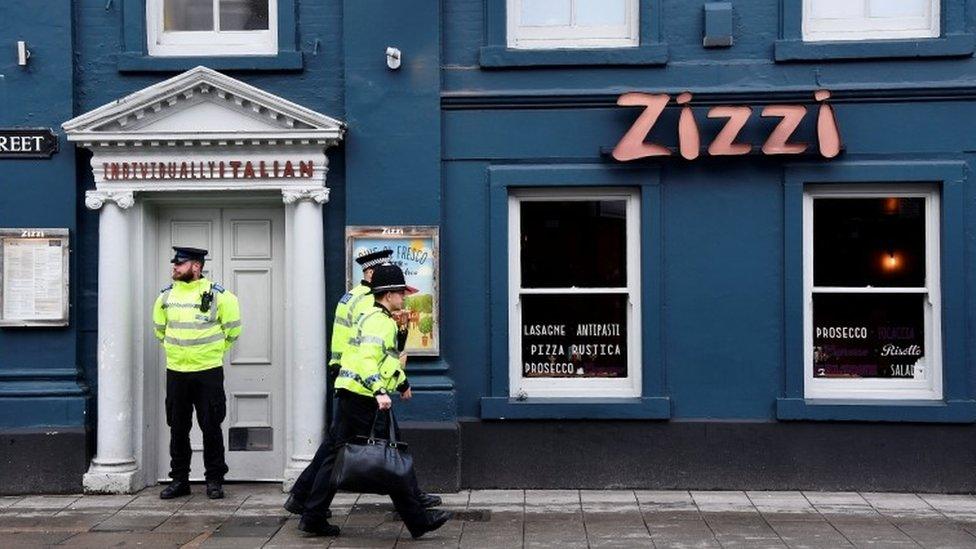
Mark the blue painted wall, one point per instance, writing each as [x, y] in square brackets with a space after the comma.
[39, 369]
[724, 342]
[432, 135]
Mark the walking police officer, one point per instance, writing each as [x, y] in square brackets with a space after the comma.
[351, 307]
[197, 321]
[369, 372]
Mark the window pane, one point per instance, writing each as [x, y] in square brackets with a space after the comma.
[869, 242]
[546, 13]
[897, 8]
[595, 13]
[237, 15]
[188, 15]
[837, 9]
[868, 336]
[574, 244]
[574, 336]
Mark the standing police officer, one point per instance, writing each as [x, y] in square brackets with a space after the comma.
[369, 372]
[196, 321]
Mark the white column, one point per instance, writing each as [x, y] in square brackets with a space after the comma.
[114, 468]
[307, 311]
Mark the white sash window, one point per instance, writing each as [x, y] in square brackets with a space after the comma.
[840, 20]
[212, 27]
[544, 24]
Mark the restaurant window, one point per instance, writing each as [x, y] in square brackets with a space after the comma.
[572, 23]
[871, 273]
[574, 303]
[212, 27]
[839, 20]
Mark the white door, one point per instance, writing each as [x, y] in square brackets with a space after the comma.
[247, 257]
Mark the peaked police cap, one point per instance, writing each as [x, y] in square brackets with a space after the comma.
[188, 254]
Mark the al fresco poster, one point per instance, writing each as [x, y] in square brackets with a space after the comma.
[415, 250]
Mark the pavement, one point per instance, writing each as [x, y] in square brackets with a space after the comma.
[252, 516]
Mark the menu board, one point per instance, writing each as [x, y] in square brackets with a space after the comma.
[574, 335]
[415, 251]
[869, 336]
[33, 277]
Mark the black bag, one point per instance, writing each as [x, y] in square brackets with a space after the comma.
[373, 465]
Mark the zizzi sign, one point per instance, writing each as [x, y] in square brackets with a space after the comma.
[633, 145]
[27, 143]
[212, 169]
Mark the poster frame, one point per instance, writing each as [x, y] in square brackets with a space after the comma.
[39, 233]
[354, 233]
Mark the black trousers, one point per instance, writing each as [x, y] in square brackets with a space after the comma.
[353, 417]
[203, 391]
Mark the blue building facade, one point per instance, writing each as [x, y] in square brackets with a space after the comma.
[703, 316]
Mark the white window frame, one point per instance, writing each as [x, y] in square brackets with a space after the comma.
[867, 28]
[572, 36]
[209, 43]
[928, 388]
[625, 387]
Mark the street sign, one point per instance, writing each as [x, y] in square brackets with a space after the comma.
[27, 143]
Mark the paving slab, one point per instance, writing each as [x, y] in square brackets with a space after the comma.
[504, 530]
[664, 497]
[617, 529]
[42, 503]
[7, 501]
[448, 535]
[290, 536]
[717, 502]
[88, 503]
[235, 542]
[682, 533]
[132, 521]
[554, 530]
[809, 535]
[872, 532]
[191, 522]
[739, 529]
[781, 503]
[493, 498]
[937, 533]
[100, 540]
[18, 540]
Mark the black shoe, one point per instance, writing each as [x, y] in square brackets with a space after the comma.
[215, 490]
[435, 519]
[429, 500]
[175, 489]
[296, 507]
[318, 527]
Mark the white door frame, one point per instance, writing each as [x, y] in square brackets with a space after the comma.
[128, 395]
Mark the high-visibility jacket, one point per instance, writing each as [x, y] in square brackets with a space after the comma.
[352, 305]
[374, 362]
[195, 340]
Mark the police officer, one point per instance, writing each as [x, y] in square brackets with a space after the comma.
[369, 372]
[196, 321]
[351, 307]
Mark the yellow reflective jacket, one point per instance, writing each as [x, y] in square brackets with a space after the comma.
[374, 362]
[195, 340]
[351, 306]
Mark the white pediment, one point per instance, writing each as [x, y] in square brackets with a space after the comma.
[203, 105]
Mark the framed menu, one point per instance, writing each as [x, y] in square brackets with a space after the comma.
[33, 277]
[415, 250]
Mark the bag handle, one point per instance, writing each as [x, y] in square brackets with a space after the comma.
[390, 425]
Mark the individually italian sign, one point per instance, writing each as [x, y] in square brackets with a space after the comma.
[27, 143]
[415, 250]
[34, 282]
[571, 335]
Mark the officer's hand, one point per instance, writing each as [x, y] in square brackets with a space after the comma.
[403, 360]
[384, 402]
[406, 395]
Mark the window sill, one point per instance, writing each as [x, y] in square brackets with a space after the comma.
[956, 45]
[576, 408]
[923, 411]
[139, 62]
[501, 56]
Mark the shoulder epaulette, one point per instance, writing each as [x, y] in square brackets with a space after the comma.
[218, 288]
[167, 288]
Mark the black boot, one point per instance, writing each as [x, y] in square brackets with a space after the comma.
[435, 519]
[215, 489]
[175, 489]
[318, 527]
[429, 500]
